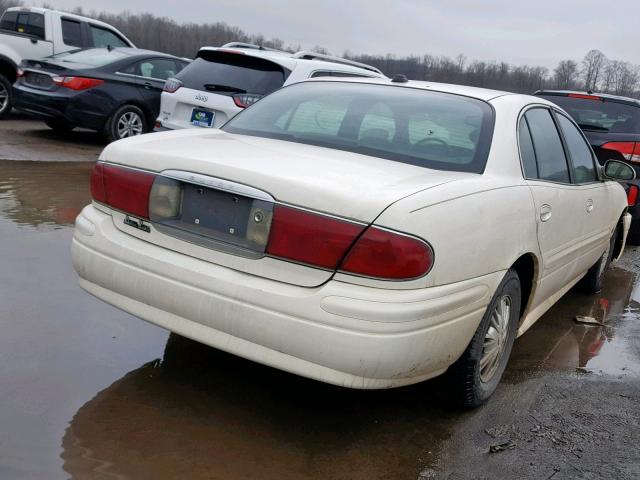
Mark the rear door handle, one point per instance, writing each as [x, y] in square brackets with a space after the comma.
[589, 205]
[545, 212]
[148, 85]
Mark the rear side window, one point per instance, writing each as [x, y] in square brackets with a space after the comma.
[102, 38]
[158, 68]
[27, 23]
[527, 152]
[8, 21]
[581, 158]
[229, 73]
[72, 33]
[552, 163]
[599, 114]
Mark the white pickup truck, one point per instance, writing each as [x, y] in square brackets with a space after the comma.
[35, 33]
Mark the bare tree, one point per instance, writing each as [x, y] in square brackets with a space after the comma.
[592, 67]
[4, 4]
[621, 78]
[566, 75]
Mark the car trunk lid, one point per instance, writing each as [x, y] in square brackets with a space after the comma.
[250, 173]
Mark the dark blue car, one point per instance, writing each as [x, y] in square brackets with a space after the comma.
[111, 90]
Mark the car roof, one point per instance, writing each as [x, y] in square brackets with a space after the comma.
[289, 59]
[463, 90]
[615, 98]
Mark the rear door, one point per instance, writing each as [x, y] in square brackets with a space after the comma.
[560, 205]
[151, 75]
[596, 199]
[31, 27]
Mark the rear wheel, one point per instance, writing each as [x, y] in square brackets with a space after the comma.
[127, 121]
[472, 379]
[6, 100]
[593, 280]
[59, 126]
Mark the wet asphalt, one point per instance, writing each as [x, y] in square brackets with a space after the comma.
[89, 392]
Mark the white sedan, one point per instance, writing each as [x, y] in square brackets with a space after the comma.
[366, 233]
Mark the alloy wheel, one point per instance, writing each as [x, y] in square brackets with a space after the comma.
[129, 125]
[495, 339]
[4, 97]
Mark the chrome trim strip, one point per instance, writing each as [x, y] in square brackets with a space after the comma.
[218, 184]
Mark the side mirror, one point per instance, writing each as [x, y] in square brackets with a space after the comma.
[617, 170]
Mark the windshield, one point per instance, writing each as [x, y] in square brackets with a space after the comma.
[599, 114]
[425, 128]
[95, 57]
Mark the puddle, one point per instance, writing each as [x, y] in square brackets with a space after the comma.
[558, 342]
[43, 194]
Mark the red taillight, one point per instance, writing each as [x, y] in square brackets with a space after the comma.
[388, 255]
[244, 100]
[584, 97]
[172, 85]
[324, 241]
[122, 188]
[629, 150]
[77, 83]
[97, 184]
[632, 195]
[310, 238]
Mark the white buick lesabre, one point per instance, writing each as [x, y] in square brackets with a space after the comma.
[366, 233]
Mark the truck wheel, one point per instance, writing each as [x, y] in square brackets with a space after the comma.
[472, 379]
[59, 126]
[127, 121]
[6, 100]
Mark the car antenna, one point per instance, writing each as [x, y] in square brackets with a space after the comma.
[399, 78]
[109, 48]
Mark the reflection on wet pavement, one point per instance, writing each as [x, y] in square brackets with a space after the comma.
[84, 393]
[557, 341]
[43, 194]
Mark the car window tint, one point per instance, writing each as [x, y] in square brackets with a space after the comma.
[398, 124]
[581, 158]
[527, 152]
[552, 163]
[160, 68]
[105, 38]
[71, 33]
[27, 23]
[226, 71]
[599, 114]
[378, 127]
[8, 21]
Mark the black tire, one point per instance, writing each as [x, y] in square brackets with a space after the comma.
[59, 126]
[6, 97]
[465, 382]
[112, 130]
[593, 280]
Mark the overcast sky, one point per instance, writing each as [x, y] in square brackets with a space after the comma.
[542, 32]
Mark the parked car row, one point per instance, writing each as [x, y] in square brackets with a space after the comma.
[359, 230]
[93, 77]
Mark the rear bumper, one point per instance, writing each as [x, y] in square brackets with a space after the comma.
[339, 333]
[72, 109]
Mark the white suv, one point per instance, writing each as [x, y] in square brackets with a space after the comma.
[221, 81]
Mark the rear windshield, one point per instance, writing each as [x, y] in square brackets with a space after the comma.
[600, 115]
[425, 128]
[229, 73]
[92, 57]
